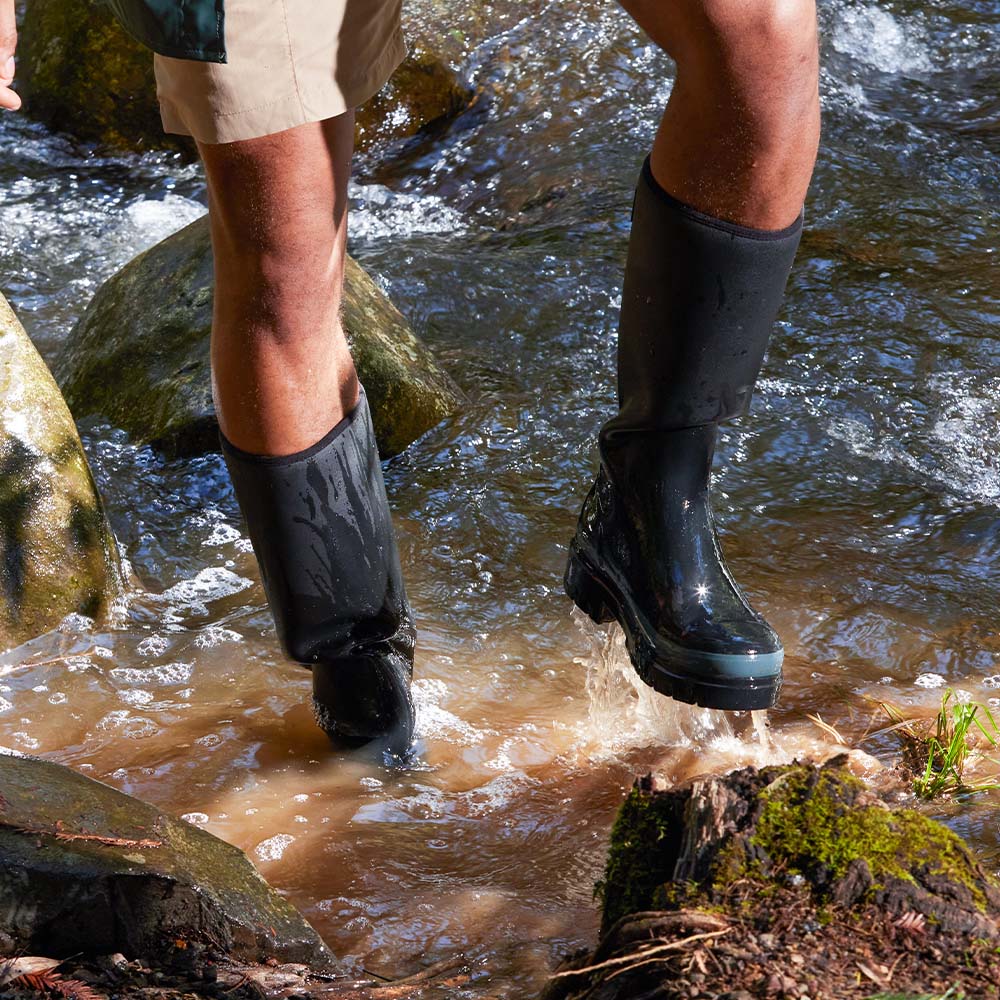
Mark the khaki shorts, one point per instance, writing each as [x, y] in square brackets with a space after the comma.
[289, 62]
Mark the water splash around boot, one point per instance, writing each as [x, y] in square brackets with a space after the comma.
[625, 712]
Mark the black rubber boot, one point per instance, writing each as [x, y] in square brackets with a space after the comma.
[700, 298]
[322, 533]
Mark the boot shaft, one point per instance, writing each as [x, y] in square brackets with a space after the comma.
[321, 529]
[700, 299]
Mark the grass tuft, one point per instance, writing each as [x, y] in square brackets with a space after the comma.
[945, 749]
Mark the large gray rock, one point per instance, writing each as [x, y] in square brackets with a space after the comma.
[82, 74]
[85, 868]
[139, 355]
[57, 554]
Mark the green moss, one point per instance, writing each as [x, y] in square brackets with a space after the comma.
[153, 320]
[806, 821]
[809, 825]
[641, 858]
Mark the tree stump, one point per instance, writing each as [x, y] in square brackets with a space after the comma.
[796, 881]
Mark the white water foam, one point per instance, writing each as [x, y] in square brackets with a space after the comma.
[958, 449]
[873, 36]
[211, 584]
[162, 675]
[378, 212]
[154, 219]
[274, 847]
[438, 724]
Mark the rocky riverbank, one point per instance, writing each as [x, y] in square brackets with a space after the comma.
[794, 883]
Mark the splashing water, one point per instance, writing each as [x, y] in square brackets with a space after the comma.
[759, 719]
[623, 711]
[861, 502]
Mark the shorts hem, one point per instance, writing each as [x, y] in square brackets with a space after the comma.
[286, 112]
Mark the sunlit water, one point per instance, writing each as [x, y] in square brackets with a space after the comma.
[859, 505]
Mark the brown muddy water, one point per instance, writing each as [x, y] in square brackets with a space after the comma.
[860, 505]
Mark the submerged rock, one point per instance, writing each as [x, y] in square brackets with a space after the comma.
[86, 868]
[788, 881]
[139, 354]
[423, 92]
[57, 553]
[82, 74]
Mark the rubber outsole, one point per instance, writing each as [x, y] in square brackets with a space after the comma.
[598, 598]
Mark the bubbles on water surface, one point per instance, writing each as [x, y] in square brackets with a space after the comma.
[210, 584]
[274, 847]
[154, 219]
[216, 635]
[377, 212]
[164, 674]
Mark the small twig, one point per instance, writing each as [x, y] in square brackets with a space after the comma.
[892, 970]
[643, 954]
[375, 975]
[877, 979]
[96, 838]
[817, 720]
[435, 969]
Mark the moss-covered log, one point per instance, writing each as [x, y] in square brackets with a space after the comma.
[795, 881]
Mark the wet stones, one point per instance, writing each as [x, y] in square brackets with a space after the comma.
[57, 553]
[87, 869]
[82, 74]
[422, 93]
[795, 881]
[139, 355]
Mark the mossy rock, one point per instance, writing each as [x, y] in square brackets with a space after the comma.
[86, 868]
[821, 825]
[139, 354]
[82, 74]
[57, 553]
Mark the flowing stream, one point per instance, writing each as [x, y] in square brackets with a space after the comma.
[860, 505]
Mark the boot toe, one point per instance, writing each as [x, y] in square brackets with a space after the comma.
[362, 700]
[737, 637]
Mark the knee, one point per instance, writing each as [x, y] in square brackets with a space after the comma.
[254, 235]
[754, 30]
[766, 49]
[762, 54]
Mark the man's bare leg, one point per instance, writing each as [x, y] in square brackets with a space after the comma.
[739, 136]
[715, 225]
[297, 432]
[282, 371]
